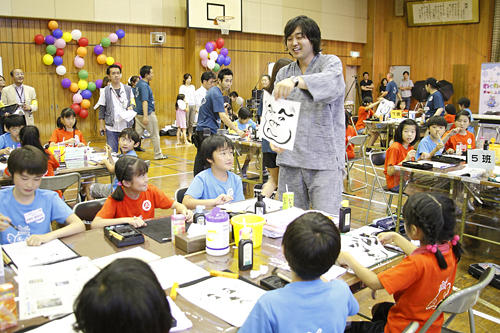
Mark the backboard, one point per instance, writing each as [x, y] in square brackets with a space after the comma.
[201, 13]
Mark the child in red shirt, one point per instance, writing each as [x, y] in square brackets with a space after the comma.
[460, 134]
[449, 114]
[134, 200]
[66, 133]
[424, 278]
[350, 132]
[365, 112]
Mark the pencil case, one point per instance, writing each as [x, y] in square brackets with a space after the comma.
[416, 165]
[123, 235]
[273, 282]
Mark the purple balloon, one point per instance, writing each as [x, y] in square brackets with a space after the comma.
[224, 51]
[120, 33]
[57, 33]
[66, 83]
[209, 47]
[49, 40]
[58, 60]
[227, 61]
[86, 94]
[98, 49]
[221, 59]
[98, 84]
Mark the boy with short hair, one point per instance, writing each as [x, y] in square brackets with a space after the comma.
[432, 145]
[30, 209]
[459, 134]
[217, 184]
[464, 104]
[244, 123]
[127, 141]
[11, 140]
[311, 245]
[449, 114]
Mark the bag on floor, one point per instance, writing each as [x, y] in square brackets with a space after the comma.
[477, 269]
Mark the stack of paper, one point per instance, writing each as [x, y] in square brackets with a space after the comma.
[334, 272]
[249, 205]
[278, 221]
[75, 157]
[136, 252]
[176, 269]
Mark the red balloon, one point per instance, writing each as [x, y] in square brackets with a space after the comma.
[83, 42]
[60, 52]
[214, 44]
[76, 107]
[220, 43]
[39, 39]
[117, 63]
[84, 113]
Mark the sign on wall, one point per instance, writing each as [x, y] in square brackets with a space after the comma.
[442, 12]
[489, 94]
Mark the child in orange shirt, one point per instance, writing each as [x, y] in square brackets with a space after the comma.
[460, 134]
[134, 200]
[424, 278]
[349, 133]
[449, 114]
[407, 134]
[365, 112]
[66, 133]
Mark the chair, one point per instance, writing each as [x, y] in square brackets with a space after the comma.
[359, 140]
[461, 301]
[179, 194]
[474, 124]
[87, 210]
[411, 328]
[62, 182]
[377, 158]
[448, 126]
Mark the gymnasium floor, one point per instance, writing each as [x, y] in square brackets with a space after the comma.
[176, 172]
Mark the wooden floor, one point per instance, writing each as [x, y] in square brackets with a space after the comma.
[176, 172]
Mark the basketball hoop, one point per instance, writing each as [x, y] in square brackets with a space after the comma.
[224, 22]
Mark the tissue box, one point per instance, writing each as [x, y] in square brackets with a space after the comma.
[8, 308]
[190, 244]
[75, 157]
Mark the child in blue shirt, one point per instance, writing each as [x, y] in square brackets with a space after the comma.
[244, 123]
[215, 185]
[11, 140]
[432, 144]
[464, 104]
[27, 211]
[311, 245]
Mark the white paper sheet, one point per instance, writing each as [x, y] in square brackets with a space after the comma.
[183, 323]
[136, 252]
[127, 115]
[25, 256]
[365, 250]
[334, 272]
[279, 121]
[229, 299]
[248, 205]
[176, 269]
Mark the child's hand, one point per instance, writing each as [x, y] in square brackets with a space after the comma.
[223, 198]
[454, 131]
[424, 156]
[108, 150]
[81, 144]
[411, 154]
[37, 240]
[103, 161]
[240, 133]
[276, 149]
[70, 141]
[345, 258]
[4, 224]
[7, 151]
[450, 151]
[136, 222]
[439, 146]
[386, 237]
[184, 211]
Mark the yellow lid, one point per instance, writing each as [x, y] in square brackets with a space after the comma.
[245, 235]
[345, 203]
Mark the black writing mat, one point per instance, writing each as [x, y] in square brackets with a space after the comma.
[157, 229]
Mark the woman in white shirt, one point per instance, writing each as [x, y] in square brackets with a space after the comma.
[188, 90]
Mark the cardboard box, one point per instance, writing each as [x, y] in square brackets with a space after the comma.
[8, 307]
[190, 245]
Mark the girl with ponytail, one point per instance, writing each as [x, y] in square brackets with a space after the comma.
[134, 200]
[425, 277]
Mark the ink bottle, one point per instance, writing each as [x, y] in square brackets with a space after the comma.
[345, 217]
[260, 206]
[245, 251]
[199, 217]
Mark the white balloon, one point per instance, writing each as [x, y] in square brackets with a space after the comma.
[213, 55]
[211, 64]
[76, 34]
[61, 70]
[240, 100]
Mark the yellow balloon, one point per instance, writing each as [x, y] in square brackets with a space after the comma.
[82, 84]
[110, 61]
[67, 37]
[48, 59]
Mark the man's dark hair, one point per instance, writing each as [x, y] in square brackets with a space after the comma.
[108, 71]
[12, 72]
[207, 76]
[464, 101]
[450, 109]
[310, 30]
[398, 136]
[436, 120]
[233, 94]
[366, 73]
[406, 72]
[224, 72]
[145, 70]
[213, 143]
[244, 113]
[29, 159]
[129, 133]
[311, 244]
[14, 120]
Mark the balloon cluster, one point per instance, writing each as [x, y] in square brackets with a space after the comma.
[83, 92]
[215, 55]
[105, 42]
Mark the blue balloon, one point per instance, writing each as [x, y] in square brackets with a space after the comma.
[221, 59]
[209, 47]
[57, 33]
[86, 94]
[58, 61]
[120, 33]
[227, 61]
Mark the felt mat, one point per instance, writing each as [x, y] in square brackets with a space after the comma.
[157, 229]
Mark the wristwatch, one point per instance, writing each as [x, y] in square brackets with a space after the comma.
[295, 80]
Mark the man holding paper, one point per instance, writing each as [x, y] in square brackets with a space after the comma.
[21, 94]
[116, 107]
[314, 168]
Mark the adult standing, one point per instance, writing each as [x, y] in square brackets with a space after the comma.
[189, 91]
[132, 82]
[383, 86]
[146, 116]
[208, 79]
[114, 101]
[366, 86]
[211, 113]
[19, 93]
[405, 87]
[435, 102]
[265, 80]
[314, 169]
[391, 90]
[2, 85]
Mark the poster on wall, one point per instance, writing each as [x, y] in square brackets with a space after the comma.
[1, 66]
[489, 95]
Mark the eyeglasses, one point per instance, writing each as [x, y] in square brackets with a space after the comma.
[19, 74]
[15, 129]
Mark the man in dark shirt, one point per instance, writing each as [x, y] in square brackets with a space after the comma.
[391, 90]
[366, 86]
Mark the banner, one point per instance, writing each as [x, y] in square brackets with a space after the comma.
[489, 94]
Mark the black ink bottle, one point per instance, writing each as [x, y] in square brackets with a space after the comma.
[260, 206]
[199, 217]
[245, 251]
[345, 217]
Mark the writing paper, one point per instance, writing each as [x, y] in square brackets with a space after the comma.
[25, 256]
[136, 252]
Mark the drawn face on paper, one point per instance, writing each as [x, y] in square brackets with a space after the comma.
[277, 123]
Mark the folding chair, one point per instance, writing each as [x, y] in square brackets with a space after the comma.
[62, 182]
[87, 210]
[359, 140]
[474, 124]
[448, 126]
[411, 328]
[179, 194]
[459, 302]
[377, 158]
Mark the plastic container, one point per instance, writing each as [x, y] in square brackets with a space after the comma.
[253, 221]
[217, 224]
[496, 148]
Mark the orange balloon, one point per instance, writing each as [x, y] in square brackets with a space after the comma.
[85, 104]
[101, 59]
[53, 25]
[81, 51]
[73, 87]
[218, 51]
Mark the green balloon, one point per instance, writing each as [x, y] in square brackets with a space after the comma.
[105, 42]
[91, 86]
[83, 74]
[216, 68]
[51, 49]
